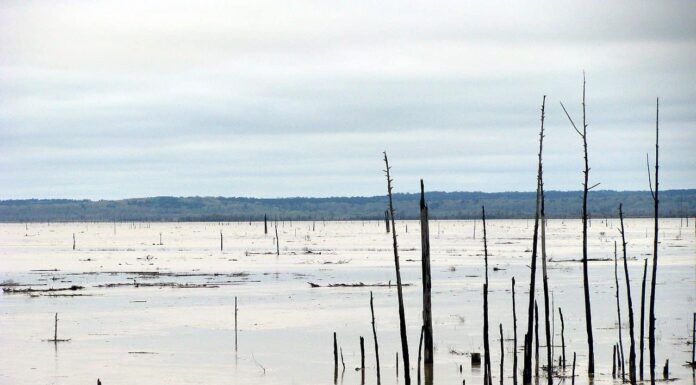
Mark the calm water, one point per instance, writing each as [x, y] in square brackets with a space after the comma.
[128, 327]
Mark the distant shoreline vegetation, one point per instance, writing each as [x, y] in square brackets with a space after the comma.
[443, 205]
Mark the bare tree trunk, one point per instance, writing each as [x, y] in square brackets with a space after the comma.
[277, 240]
[425, 264]
[362, 359]
[653, 281]
[618, 311]
[562, 339]
[631, 324]
[374, 334]
[514, 326]
[265, 224]
[221, 240]
[527, 367]
[386, 220]
[427, 312]
[486, 354]
[502, 356]
[235, 323]
[573, 374]
[420, 348]
[402, 315]
[335, 354]
[642, 317]
[586, 189]
[545, 281]
[536, 340]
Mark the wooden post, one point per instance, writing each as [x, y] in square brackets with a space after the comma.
[277, 241]
[402, 314]
[586, 189]
[235, 323]
[642, 318]
[613, 362]
[374, 334]
[514, 326]
[362, 358]
[563, 361]
[425, 272]
[527, 367]
[631, 323]
[653, 280]
[502, 356]
[665, 371]
[335, 354]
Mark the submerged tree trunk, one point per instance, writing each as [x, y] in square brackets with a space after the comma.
[514, 328]
[642, 317]
[618, 312]
[374, 334]
[631, 324]
[585, 278]
[486, 347]
[427, 312]
[402, 315]
[527, 366]
[653, 280]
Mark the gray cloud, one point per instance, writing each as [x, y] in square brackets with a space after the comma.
[124, 99]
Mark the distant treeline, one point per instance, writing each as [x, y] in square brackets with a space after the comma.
[443, 205]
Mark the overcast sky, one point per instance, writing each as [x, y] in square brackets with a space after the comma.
[116, 99]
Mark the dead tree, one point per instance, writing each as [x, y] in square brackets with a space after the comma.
[265, 224]
[573, 374]
[586, 189]
[335, 354]
[545, 282]
[235, 323]
[73, 241]
[362, 357]
[277, 240]
[374, 334]
[486, 348]
[402, 315]
[632, 351]
[514, 328]
[536, 340]
[386, 220]
[427, 312]
[420, 348]
[502, 356]
[618, 311]
[653, 280]
[642, 317]
[527, 367]
[220, 240]
[563, 361]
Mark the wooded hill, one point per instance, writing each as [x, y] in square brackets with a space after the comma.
[443, 205]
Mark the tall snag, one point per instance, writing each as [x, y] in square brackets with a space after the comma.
[642, 317]
[427, 312]
[653, 280]
[528, 337]
[514, 344]
[586, 189]
[374, 335]
[632, 351]
[402, 316]
[487, 377]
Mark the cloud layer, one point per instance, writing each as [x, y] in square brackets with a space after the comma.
[124, 99]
